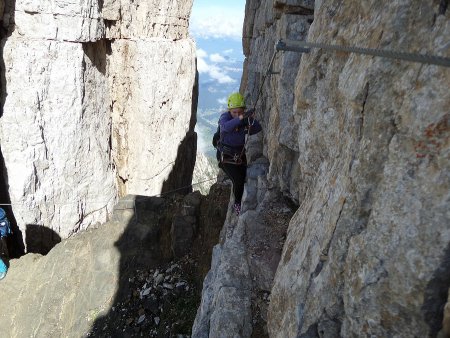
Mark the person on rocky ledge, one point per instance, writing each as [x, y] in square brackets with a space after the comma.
[5, 230]
[234, 125]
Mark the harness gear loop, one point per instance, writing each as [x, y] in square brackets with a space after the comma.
[236, 159]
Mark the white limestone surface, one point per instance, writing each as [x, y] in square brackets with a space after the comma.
[152, 85]
[59, 20]
[55, 137]
[94, 91]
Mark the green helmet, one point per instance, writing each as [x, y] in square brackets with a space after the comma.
[236, 100]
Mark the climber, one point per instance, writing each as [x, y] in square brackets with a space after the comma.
[234, 124]
[5, 230]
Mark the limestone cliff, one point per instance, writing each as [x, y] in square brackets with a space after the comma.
[361, 145]
[98, 101]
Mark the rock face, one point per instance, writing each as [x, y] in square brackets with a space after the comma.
[99, 281]
[235, 290]
[205, 173]
[97, 99]
[362, 145]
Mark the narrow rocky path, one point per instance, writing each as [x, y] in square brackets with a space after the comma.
[124, 278]
[236, 291]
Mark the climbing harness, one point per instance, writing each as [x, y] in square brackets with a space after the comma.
[228, 154]
[236, 158]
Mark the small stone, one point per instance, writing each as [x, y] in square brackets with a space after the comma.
[157, 320]
[168, 286]
[180, 284]
[172, 267]
[129, 321]
[145, 292]
[141, 312]
[159, 279]
[141, 319]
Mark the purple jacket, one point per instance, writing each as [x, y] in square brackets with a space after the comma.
[233, 130]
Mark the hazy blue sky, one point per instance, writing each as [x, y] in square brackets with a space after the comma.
[216, 27]
[217, 19]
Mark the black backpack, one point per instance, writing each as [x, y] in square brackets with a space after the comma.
[216, 137]
[5, 228]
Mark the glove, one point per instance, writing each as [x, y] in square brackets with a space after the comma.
[244, 122]
[249, 112]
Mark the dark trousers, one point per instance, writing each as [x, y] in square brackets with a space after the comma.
[3, 249]
[237, 174]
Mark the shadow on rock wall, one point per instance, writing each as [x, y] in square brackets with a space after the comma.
[185, 162]
[144, 245]
[40, 239]
[436, 294]
[157, 293]
[97, 53]
[180, 178]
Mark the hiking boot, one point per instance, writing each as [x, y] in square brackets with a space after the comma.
[237, 208]
[3, 269]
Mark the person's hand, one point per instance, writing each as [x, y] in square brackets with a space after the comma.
[249, 112]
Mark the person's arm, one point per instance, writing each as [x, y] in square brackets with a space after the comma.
[228, 125]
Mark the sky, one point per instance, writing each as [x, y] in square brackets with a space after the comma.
[216, 26]
[217, 19]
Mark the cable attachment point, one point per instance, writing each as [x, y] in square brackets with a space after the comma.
[281, 45]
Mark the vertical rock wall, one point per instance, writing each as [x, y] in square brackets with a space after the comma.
[96, 98]
[362, 143]
[55, 127]
[265, 23]
[153, 74]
